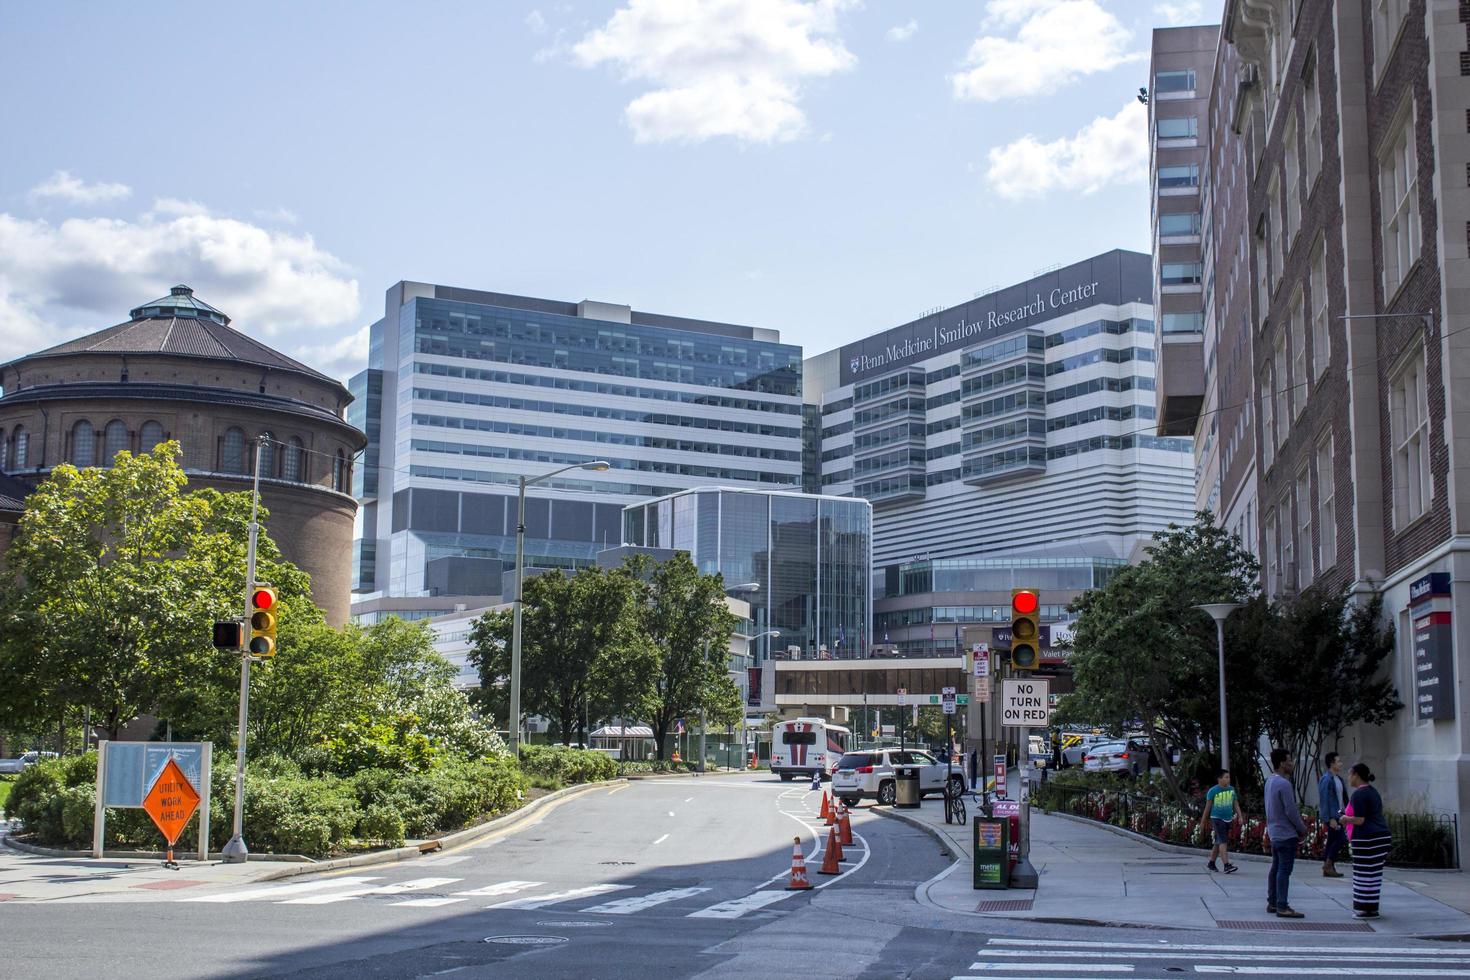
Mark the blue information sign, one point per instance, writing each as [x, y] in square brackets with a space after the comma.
[132, 767]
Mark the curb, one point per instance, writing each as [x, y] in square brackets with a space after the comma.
[134, 855]
[437, 843]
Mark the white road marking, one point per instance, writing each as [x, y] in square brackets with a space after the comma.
[1345, 955]
[689, 800]
[251, 894]
[737, 907]
[662, 839]
[1211, 947]
[439, 862]
[417, 884]
[428, 903]
[503, 888]
[1350, 971]
[1065, 967]
[627, 906]
[541, 901]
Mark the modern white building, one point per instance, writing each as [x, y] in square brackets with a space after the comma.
[1021, 423]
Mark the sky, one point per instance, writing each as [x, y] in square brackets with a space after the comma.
[827, 168]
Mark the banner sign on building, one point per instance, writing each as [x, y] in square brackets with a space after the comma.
[1434, 662]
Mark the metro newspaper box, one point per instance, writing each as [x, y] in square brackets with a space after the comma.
[992, 847]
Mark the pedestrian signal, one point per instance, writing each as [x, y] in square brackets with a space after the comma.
[1025, 629]
[263, 615]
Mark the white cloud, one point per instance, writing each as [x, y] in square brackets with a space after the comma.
[63, 186]
[1042, 46]
[1108, 150]
[719, 67]
[341, 358]
[61, 280]
[536, 22]
[902, 32]
[1180, 12]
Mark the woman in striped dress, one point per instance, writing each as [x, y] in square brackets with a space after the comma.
[1371, 842]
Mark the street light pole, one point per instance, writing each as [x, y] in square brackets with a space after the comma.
[513, 723]
[1219, 612]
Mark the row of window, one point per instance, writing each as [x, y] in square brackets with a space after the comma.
[601, 412]
[614, 438]
[638, 465]
[1292, 560]
[1049, 612]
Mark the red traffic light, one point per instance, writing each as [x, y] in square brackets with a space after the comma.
[1024, 603]
[262, 599]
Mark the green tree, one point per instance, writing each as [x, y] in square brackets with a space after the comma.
[684, 617]
[580, 646]
[1323, 673]
[1142, 654]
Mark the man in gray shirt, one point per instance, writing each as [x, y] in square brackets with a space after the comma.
[1285, 828]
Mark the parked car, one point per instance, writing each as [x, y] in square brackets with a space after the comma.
[869, 775]
[24, 762]
[1076, 745]
[1128, 758]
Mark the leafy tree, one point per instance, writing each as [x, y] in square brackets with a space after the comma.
[579, 646]
[1324, 672]
[1143, 655]
[684, 616]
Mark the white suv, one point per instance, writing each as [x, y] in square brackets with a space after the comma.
[869, 775]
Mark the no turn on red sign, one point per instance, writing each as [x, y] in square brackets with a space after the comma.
[1025, 702]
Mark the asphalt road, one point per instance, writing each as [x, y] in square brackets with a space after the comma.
[655, 879]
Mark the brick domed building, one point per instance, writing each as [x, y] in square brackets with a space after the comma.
[177, 370]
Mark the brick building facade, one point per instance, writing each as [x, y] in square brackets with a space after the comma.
[1337, 336]
[177, 370]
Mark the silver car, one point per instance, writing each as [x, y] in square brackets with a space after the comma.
[1126, 758]
[24, 762]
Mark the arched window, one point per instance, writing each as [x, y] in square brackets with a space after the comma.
[149, 436]
[267, 454]
[232, 451]
[21, 439]
[4, 451]
[114, 440]
[339, 472]
[291, 465]
[83, 444]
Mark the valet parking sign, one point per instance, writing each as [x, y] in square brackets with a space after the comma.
[1434, 662]
[1025, 702]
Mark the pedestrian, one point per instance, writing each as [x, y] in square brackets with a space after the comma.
[1331, 799]
[1285, 827]
[1222, 808]
[1371, 841]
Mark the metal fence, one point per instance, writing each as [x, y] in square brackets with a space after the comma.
[1420, 840]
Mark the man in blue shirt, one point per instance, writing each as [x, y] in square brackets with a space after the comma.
[1285, 827]
[1222, 808]
[1331, 799]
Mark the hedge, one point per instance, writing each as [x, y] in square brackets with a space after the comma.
[285, 811]
[567, 765]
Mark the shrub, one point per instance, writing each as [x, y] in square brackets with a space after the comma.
[294, 815]
[567, 765]
[383, 824]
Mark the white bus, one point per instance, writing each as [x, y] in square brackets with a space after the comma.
[806, 746]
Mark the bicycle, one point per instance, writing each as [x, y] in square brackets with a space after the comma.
[954, 803]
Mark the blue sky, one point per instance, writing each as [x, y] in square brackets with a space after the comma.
[828, 168]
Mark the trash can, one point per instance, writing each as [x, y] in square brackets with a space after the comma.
[906, 788]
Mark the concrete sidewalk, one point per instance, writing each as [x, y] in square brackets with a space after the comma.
[1090, 875]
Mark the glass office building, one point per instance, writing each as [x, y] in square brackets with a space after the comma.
[808, 555]
[471, 390]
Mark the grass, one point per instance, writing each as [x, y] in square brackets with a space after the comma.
[5, 785]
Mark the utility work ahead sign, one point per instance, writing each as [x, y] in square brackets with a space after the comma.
[1025, 702]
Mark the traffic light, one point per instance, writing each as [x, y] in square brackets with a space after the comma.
[263, 614]
[227, 634]
[1025, 629]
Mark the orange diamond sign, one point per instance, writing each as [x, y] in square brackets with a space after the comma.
[171, 801]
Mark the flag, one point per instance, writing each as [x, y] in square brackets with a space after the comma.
[679, 727]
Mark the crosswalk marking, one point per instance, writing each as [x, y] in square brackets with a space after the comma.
[428, 903]
[503, 888]
[1064, 967]
[1218, 947]
[251, 894]
[1344, 954]
[540, 901]
[737, 907]
[417, 884]
[1350, 971]
[627, 906]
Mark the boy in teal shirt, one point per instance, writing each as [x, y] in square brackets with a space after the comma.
[1222, 808]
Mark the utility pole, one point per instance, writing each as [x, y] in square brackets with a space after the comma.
[235, 852]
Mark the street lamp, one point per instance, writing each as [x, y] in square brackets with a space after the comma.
[514, 722]
[1218, 612]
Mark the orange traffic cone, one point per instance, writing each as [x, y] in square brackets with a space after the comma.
[830, 817]
[844, 823]
[834, 855]
[826, 807]
[798, 868]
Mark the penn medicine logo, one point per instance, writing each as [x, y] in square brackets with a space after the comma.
[857, 363]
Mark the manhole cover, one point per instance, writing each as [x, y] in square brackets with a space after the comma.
[575, 924]
[526, 940]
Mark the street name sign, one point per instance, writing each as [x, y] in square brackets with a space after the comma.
[1025, 702]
